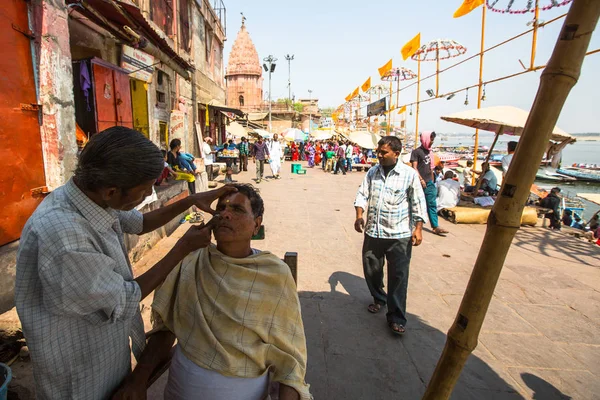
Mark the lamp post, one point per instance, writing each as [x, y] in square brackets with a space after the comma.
[269, 67]
[309, 110]
[289, 60]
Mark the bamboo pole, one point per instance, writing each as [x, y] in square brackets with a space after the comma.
[437, 73]
[389, 120]
[479, 92]
[535, 32]
[418, 102]
[556, 82]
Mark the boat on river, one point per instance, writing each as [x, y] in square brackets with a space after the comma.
[550, 175]
[581, 174]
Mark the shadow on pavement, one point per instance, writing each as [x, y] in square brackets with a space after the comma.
[557, 245]
[543, 390]
[353, 355]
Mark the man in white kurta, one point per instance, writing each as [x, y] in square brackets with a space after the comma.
[275, 155]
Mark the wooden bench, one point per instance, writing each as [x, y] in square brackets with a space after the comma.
[290, 258]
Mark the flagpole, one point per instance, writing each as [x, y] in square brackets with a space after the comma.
[418, 103]
[479, 88]
[389, 121]
[535, 31]
[437, 72]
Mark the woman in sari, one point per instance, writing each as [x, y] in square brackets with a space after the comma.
[295, 154]
[310, 150]
[318, 150]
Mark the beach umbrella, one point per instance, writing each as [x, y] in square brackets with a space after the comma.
[365, 139]
[322, 134]
[263, 133]
[556, 81]
[293, 135]
[236, 130]
[398, 75]
[436, 50]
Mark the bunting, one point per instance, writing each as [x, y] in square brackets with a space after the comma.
[466, 7]
[412, 46]
[386, 68]
[365, 86]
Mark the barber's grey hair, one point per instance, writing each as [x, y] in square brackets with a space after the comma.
[118, 157]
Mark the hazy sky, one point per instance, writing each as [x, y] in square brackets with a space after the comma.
[338, 44]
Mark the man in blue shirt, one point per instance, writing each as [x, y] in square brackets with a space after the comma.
[393, 198]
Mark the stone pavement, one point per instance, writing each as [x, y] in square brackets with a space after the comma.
[540, 339]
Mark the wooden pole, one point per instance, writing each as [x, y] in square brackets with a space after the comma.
[437, 73]
[389, 120]
[418, 103]
[479, 90]
[556, 81]
[535, 32]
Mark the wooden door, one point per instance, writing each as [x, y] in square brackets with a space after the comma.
[139, 105]
[21, 160]
[104, 93]
[123, 99]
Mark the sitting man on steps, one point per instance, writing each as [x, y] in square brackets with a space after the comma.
[236, 316]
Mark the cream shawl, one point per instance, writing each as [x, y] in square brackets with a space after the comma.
[236, 316]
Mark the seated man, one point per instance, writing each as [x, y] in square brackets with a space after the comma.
[236, 316]
[489, 181]
[448, 192]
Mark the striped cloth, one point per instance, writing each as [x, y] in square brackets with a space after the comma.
[236, 316]
[76, 297]
[393, 203]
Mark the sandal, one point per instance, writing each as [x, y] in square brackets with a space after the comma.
[396, 328]
[374, 308]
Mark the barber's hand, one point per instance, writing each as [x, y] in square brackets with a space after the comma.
[204, 200]
[131, 389]
[197, 237]
[417, 237]
[359, 225]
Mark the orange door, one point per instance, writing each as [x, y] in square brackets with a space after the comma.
[21, 162]
[104, 88]
[123, 99]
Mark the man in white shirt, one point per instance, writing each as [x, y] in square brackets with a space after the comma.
[275, 155]
[512, 146]
[448, 192]
[208, 155]
[349, 151]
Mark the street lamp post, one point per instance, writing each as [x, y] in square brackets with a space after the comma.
[289, 60]
[309, 110]
[269, 67]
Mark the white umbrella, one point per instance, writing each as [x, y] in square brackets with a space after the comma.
[293, 135]
[364, 139]
[263, 133]
[322, 134]
[236, 130]
[513, 120]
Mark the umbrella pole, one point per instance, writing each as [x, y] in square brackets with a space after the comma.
[535, 32]
[556, 81]
[479, 90]
[418, 103]
[437, 73]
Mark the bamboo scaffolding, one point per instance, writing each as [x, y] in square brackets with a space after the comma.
[556, 81]
[479, 94]
[418, 103]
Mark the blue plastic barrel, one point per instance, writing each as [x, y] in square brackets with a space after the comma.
[5, 377]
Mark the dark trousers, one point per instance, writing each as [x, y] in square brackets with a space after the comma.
[340, 165]
[209, 171]
[398, 253]
[323, 160]
[244, 162]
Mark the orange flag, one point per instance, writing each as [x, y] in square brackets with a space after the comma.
[386, 68]
[349, 97]
[402, 110]
[354, 94]
[411, 46]
[365, 86]
[466, 7]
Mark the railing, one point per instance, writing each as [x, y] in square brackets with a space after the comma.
[221, 12]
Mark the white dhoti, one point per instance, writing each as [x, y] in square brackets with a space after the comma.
[275, 158]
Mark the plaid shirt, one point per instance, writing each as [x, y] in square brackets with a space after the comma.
[76, 297]
[243, 148]
[393, 203]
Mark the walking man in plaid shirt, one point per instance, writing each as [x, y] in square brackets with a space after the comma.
[392, 196]
[75, 291]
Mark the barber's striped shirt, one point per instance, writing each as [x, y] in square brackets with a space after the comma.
[393, 204]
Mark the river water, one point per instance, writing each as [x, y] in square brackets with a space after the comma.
[582, 151]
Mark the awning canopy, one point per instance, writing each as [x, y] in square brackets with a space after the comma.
[215, 104]
[257, 116]
[364, 139]
[492, 118]
[236, 130]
